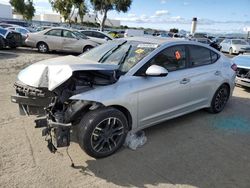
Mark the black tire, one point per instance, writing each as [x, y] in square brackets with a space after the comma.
[2, 43]
[42, 47]
[87, 48]
[102, 132]
[220, 99]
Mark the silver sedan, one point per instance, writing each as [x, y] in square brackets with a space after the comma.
[235, 46]
[123, 85]
[59, 39]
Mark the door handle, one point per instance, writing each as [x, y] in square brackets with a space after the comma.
[217, 73]
[184, 81]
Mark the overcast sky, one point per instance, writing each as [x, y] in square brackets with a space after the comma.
[213, 15]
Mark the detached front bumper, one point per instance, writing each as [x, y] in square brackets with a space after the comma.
[31, 105]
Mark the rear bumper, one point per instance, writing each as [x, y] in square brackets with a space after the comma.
[30, 43]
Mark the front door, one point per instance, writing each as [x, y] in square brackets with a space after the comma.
[160, 98]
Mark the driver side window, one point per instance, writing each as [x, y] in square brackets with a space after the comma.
[68, 34]
[172, 58]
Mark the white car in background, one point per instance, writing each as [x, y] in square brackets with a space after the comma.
[97, 36]
[243, 70]
[235, 46]
[59, 39]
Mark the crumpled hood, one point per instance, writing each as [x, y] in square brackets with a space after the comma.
[242, 61]
[53, 72]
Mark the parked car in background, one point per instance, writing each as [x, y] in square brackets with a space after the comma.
[243, 70]
[133, 33]
[208, 42]
[22, 30]
[15, 22]
[41, 28]
[116, 34]
[60, 39]
[9, 38]
[123, 85]
[5, 25]
[235, 46]
[97, 36]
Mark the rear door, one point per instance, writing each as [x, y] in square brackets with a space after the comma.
[204, 73]
[54, 39]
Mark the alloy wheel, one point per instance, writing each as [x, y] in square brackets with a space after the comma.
[107, 134]
[221, 99]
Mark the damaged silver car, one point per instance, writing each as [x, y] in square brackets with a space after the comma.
[123, 85]
[243, 70]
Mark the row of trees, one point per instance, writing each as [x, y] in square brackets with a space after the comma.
[67, 8]
[25, 8]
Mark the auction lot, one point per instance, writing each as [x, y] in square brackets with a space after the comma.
[196, 150]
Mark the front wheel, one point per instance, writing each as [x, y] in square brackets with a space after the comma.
[220, 99]
[102, 132]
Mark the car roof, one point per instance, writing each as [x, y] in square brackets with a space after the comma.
[64, 28]
[152, 39]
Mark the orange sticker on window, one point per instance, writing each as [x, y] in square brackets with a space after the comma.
[177, 55]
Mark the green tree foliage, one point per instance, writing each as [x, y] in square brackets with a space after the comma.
[103, 6]
[64, 8]
[25, 8]
[81, 7]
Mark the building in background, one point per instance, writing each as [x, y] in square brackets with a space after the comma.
[5, 11]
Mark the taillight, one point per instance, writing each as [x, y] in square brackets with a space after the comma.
[234, 67]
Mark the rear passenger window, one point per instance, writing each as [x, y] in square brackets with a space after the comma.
[54, 32]
[172, 58]
[199, 55]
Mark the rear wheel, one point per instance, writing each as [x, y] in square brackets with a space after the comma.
[42, 47]
[102, 132]
[220, 99]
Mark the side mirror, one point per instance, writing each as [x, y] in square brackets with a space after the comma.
[156, 70]
[106, 38]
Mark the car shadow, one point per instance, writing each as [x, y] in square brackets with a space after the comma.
[190, 150]
[247, 89]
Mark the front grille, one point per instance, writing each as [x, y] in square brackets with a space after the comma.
[24, 90]
[243, 73]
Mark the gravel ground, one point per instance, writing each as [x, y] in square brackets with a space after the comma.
[196, 150]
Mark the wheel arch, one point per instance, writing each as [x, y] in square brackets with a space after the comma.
[41, 42]
[87, 46]
[228, 86]
[126, 112]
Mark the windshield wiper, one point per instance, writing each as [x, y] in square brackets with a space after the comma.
[108, 53]
[125, 55]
